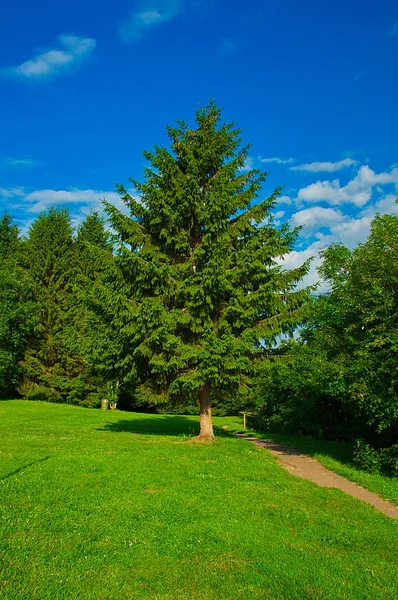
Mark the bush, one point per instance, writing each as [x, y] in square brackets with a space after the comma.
[372, 460]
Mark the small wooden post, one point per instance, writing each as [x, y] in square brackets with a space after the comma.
[244, 420]
[104, 404]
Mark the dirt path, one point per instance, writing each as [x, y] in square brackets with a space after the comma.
[306, 467]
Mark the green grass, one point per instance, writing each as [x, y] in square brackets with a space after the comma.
[337, 456]
[120, 506]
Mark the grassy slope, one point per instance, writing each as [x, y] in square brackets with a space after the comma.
[115, 505]
[337, 456]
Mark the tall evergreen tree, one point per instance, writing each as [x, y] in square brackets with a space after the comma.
[49, 258]
[196, 287]
[17, 307]
[85, 335]
[9, 237]
[91, 234]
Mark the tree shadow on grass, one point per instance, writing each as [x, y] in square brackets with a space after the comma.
[169, 425]
[35, 462]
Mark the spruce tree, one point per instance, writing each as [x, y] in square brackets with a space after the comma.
[91, 234]
[9, 237]
[50, 261]
[195, 285]
[17, 307]
[85, 333]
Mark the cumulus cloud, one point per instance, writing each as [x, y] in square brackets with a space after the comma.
[146, 15]
[296, 258]
[277, 160]
[348, 230]
[71, 52]
[386, 204]
[316, 167]
[358, 191]
[312, 219]
[40, 200]
[329, 225]
[285, 200]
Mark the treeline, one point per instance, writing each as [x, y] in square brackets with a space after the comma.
[46, 331]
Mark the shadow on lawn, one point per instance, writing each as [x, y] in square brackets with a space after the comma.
[341, 451]
[172, 425]
[35, 462]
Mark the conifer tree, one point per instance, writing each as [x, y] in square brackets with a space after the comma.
[196, 288]
[91, 234]
[17, 307]
[9, 237]
[49, 259]
[85, 335]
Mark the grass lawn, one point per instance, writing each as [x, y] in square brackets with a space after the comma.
[121, 506]
[337, 456]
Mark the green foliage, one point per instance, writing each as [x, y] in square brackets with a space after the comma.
[49, 260]
[342, 382]
[54, 365]
[18, 313]
[368, 458]
[194, 293]
[300, 391]
[91, 234]
[9, 238]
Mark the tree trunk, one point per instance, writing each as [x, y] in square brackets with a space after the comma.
[206, 424]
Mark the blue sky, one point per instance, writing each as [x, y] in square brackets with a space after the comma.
[86, 86]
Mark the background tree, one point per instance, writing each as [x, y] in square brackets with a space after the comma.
[341, 379]
[9, 237]
[17, 307]
[363, 309]
[85, 335]
[194, 294]
[49, 258]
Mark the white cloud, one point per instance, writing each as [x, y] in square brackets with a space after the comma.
[358, 191]
[393, 30]
[40, 200]
[7, 193]
[349, 231]
[316, 167]
[279, 161]
[296, 258]
[148, 14]
[387, 204]
[312, 219]
[284, 200]
[71, 53]
[340, 227]
[21, 163]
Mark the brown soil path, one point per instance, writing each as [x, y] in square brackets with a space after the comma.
[308, 468]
